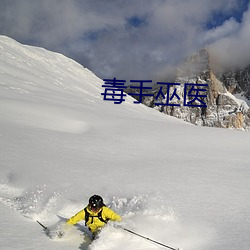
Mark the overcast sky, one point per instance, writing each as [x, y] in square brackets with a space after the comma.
[131, 39]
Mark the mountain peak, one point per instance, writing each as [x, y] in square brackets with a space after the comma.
[222, 108]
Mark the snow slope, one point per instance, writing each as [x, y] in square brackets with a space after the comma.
[176, 183]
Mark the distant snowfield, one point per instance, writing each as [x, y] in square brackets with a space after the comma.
[179, 184]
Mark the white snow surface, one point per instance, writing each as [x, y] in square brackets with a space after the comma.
[60, 142]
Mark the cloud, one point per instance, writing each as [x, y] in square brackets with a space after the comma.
[130, 39]
[229, 27]
[233, 49]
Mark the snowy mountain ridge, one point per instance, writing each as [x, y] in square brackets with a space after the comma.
[37, 74]
[179, 184]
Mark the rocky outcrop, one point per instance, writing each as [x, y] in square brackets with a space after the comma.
[222, 109]
[237, 81]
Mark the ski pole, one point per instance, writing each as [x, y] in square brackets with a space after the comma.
[45, 228]
[146, 238]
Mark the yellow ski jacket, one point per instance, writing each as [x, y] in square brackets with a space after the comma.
[94, 223]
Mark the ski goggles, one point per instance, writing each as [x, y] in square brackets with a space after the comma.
[94, 208]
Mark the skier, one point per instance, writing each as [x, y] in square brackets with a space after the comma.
[95, 214]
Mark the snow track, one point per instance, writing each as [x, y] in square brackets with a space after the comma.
[32, 203]
[145, 214]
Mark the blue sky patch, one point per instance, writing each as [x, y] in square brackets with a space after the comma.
[136, 21]
[219, 17]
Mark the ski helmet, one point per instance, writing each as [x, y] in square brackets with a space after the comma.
[95, 202]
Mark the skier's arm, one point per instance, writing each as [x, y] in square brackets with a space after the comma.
[110, 214]
[77, 217]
